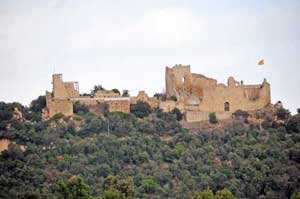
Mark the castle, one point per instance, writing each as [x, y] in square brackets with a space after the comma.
[195, 95]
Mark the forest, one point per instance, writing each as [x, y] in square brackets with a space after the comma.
[146, 154]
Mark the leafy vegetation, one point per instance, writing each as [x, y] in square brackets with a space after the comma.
[97, 88]
[213, 118]
[38, 104]
[179, 115]
[146, 154]
[140, 109]
[173, 98]
[283, 114]
[116, 91]
[125, 93]
[80, 108]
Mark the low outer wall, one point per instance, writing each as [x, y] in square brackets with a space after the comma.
[198, 116]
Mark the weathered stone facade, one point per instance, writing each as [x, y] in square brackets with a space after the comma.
[65, 94]
[193, 94]
[198, 95]
[143, 96]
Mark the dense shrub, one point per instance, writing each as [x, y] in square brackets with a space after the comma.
[125, 93]
[116, 91]
[57, 116]
[282, 114]
[140, 109]
[173, 98]
[241, 114]
[80, 108]
[38, 104]
[179, 115]
[153, 157]
[213, 118]
[293, 124]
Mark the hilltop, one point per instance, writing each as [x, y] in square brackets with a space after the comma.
[149, 152]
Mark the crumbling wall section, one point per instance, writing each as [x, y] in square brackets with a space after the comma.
[201, 93]
[71, 89]
[64, 106]
[116, 105]
[106, 94]
[143, 96]
[198, 116]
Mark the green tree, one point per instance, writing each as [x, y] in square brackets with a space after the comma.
[116, 91]
[74, 188]
[104, 170]
[5, 112]
[293, 124]
[207, 194]
[38, 104]
[213, 118]
[224, 194]
[125, 93]
[179, 115]
[180, 148]
[295, 195]
[173, 98]
[58, 116]
[140, 109]
[150, 186]
[115, 187]
[283, 114]
[114, 194]
[97, 88]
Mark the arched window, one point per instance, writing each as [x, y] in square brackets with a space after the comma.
[227, 106]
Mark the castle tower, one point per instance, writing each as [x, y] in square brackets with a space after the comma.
[59, 90]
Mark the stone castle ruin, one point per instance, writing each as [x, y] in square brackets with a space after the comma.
[199, 95]
[193, 94]
[65, 94]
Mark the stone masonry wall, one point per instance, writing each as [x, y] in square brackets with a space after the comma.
[207, 95]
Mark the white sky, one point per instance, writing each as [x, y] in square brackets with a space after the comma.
[127, 44]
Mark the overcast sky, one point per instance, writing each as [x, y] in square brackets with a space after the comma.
[128, 43]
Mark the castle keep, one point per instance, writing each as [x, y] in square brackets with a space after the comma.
[193, 94]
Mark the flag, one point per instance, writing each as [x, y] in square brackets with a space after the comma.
[261, 62]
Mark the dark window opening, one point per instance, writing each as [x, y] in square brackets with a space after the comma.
[227, 106]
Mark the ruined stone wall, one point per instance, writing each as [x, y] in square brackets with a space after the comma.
[201, 93]
[64, 89]
[169, 105]
[88, 100]
[106, 94]
[177, 80]
[121, 104]
[71, 89]
[65, 94]
[116, 105]
[64, 106]
[143, 96]
[59, 90]
[196, 94]
[198, 116]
